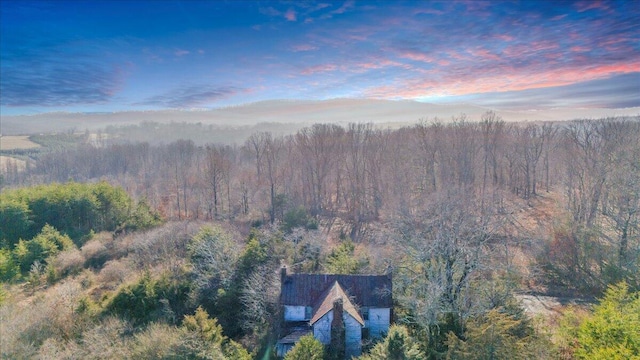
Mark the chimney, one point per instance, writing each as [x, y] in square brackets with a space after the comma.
[283, 274]
[337, 345]
[337, 313]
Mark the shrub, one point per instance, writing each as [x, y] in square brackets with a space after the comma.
[94, 253]
[298, 217]
[612, 331]
[342, 260]
[397, 345]
[114, 272]
[307, 348]
[45, 245]
[151, 299]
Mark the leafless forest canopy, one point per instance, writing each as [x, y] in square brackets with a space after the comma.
[362, 174]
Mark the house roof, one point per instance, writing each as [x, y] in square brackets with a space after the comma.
[364, 290]
[335, 292]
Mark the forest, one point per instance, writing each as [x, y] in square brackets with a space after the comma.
[121, 248]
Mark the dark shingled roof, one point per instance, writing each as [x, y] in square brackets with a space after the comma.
[325, 304]
[365, 290]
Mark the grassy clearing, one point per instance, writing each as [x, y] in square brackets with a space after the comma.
[17, 142]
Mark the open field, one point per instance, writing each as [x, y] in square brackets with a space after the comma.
[6, 161]
[16, 142]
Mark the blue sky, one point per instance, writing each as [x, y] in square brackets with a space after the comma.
[142, 55]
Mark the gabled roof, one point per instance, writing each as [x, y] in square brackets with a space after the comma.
[364, 290]
[335, 292]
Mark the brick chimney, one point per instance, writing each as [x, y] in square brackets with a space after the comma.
[337, 346]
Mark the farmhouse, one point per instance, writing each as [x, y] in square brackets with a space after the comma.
[343, 309]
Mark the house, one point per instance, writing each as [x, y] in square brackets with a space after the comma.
[327, 304]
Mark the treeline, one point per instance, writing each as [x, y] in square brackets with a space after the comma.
[38, 222]
[360, 175]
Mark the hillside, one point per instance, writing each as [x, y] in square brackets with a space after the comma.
[138, 250]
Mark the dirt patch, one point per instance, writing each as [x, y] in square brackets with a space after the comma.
[16, 142]
[547, 306]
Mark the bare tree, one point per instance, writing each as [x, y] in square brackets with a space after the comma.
[443, 248]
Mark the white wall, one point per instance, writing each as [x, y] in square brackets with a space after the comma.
[322, 328]
[378, 322]
[353, 336]
[294, 313]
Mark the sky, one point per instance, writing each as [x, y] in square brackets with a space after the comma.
[104, 56]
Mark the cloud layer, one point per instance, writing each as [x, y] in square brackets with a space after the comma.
[208, 54]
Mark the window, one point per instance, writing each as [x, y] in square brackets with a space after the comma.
[307, 312]
[365, 313]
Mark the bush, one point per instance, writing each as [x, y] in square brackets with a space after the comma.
[39, 249]
[151, 299]
[612, 331]
[298, 217]
[307, 348]
[495, 335]
[342, 260]
[397, 345]
[9, 269]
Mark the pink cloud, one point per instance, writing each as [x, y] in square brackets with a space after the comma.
[290, 15]
[583, 6]
[504, 37]
[507, 79]
[484, 54]
[318, 69]
[417, 56]
[181, 52]
[380, 64]
[579, 49]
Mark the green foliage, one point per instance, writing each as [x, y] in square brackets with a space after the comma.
[39, 249]
[210, 334]
[612, 331]
[151, 299]
[493, 335]
[213, 254]
[261, 257]
[15, 222]
[9, 270]
[397, 345]
[307, 348]
[143, 217]
[342, 260]
[298, 217]
[73, 208]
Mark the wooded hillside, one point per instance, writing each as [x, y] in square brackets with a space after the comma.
[464, 214]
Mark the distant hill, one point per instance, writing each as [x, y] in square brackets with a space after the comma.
[299, 112]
